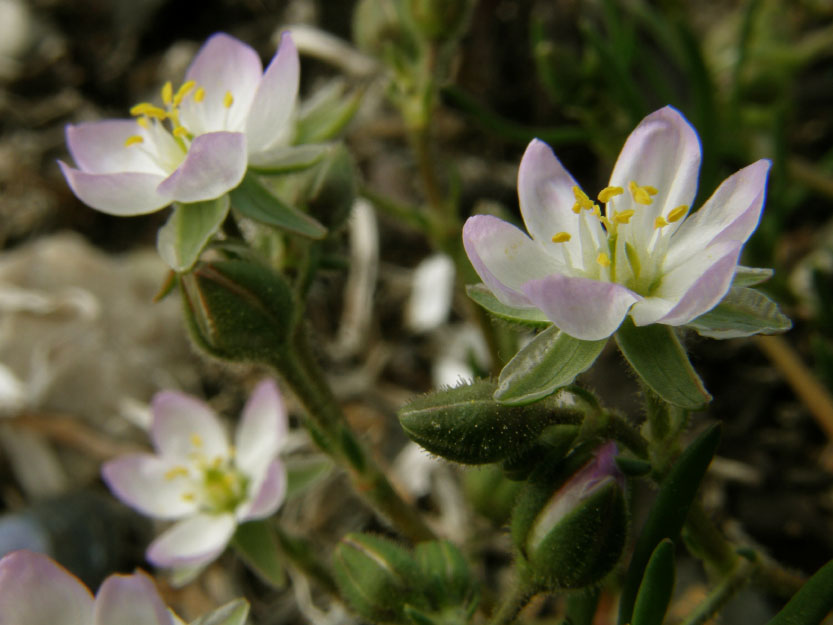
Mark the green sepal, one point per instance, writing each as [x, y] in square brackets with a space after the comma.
[257, 545]
[448, 582]
[812, 602]
[657, 586]
[483, 297]
[742, 312]
[750, 276]
[657, 356]
[290, 159]
[327, 113]
[550, 361]
[232, 613]
[188, 230]
[553, 444]
[253, 200]
[466, 425]
[669, 512]
[303, 473]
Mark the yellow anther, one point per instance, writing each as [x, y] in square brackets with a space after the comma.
[603, 259]
[144, 122]
[623, 217]
[582, 201]
[660, 222]
[133, 140]
[228, 99]
[677, 213]
[188, 496]
[173, 115]
[145, 108]
[199, 95]
[641, 195]
[180, 131]
[606, 222]
[176, 472]
[196, 440]
[183, 91]
[561, 237]
[596, 210]
[167, 93]
[609, 192]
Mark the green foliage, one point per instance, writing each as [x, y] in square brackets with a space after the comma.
[812, 603]
[188, 230]
[657, 586]
[742, 312]
[256, 543]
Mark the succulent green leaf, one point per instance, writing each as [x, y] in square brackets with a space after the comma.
[483, 297]
[257, 545]
[743, 312]
[255, 201]
[188, 230]
[232, 613]
[669, 512]
[811, 603]
[291, 159]
[327, 113]
[550, 361]
[750, 276]
[656, 355]
[657, 586]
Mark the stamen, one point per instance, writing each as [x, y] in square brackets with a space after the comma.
[167, 93]
[582, 201]
[660, 222]
[179, 132]
[183, 91]
[188, 496]
[228, 99]
[607, 193]
[133, 140]
[623, 217]
[651, 190]
[196, 440]
[561, 237]
[144, 122]
[175, 472]
[199, 95]
[677, 213]
[145, 108]
[603, 259]
[641, 195]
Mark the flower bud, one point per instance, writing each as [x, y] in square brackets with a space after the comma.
[440, 20]
[572, 536]
[449, 584]
[237, 310]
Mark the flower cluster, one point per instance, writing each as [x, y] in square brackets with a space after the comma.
[197, 478]
[645, 254]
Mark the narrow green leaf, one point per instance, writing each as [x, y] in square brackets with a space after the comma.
[657, 356]
[288, 159]
[750, 276]
[551, 360]
[582, 606]
[256, 543]
[669, 512]
[327, 113]
[255, 201]
[188, 230]
[232, 613]
[302, 473]
[483, 297]
[656, 587]
[811, 603]
[743, 312]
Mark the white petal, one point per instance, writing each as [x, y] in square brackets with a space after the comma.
[98, 148]
[274, 101]
[35, 590]
[130, 600]
[120, 194]
[184, 425]
[268, 493]
[193, 541]
[262, 429]
[150, 484]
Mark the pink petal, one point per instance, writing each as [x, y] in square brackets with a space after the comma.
[194, 541]
[123, 194]
[274, 101]
[35, 590]
[184, 425]
[98, 148]
[262, 428]
[268, 494]
[215, 164]
[223, 64]
[130, 599]
[505, 258]
[586, 309]
[144, 482]
[730, 214]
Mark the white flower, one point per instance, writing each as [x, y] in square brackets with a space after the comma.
[199, 479]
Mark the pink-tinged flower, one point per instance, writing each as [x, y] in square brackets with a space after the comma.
[34, 590]
[197, 144]
[644, 254]
[199, 479]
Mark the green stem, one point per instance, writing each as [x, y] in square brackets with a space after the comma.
[302, 555]
[707, 542]
[522, 593]
[728, 587]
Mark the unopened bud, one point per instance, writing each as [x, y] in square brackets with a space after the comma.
[449, 584]
[440, 20]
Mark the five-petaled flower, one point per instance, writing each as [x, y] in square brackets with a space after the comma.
[643, 254]
[197, 145]
[34, 590]
[200, 479]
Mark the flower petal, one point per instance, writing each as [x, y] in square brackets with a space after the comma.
[223, 64]
[268, 493]
[274, 101]
[730, 214]
[98, 148]
[215, 164]
[149, 484]
[585, 309]
[692, 288]
[130, 599]
[193, 541]
[663, 151]
[123, 194]
[262, 429]
[184, 425]
[35, 590]
[505, 258]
